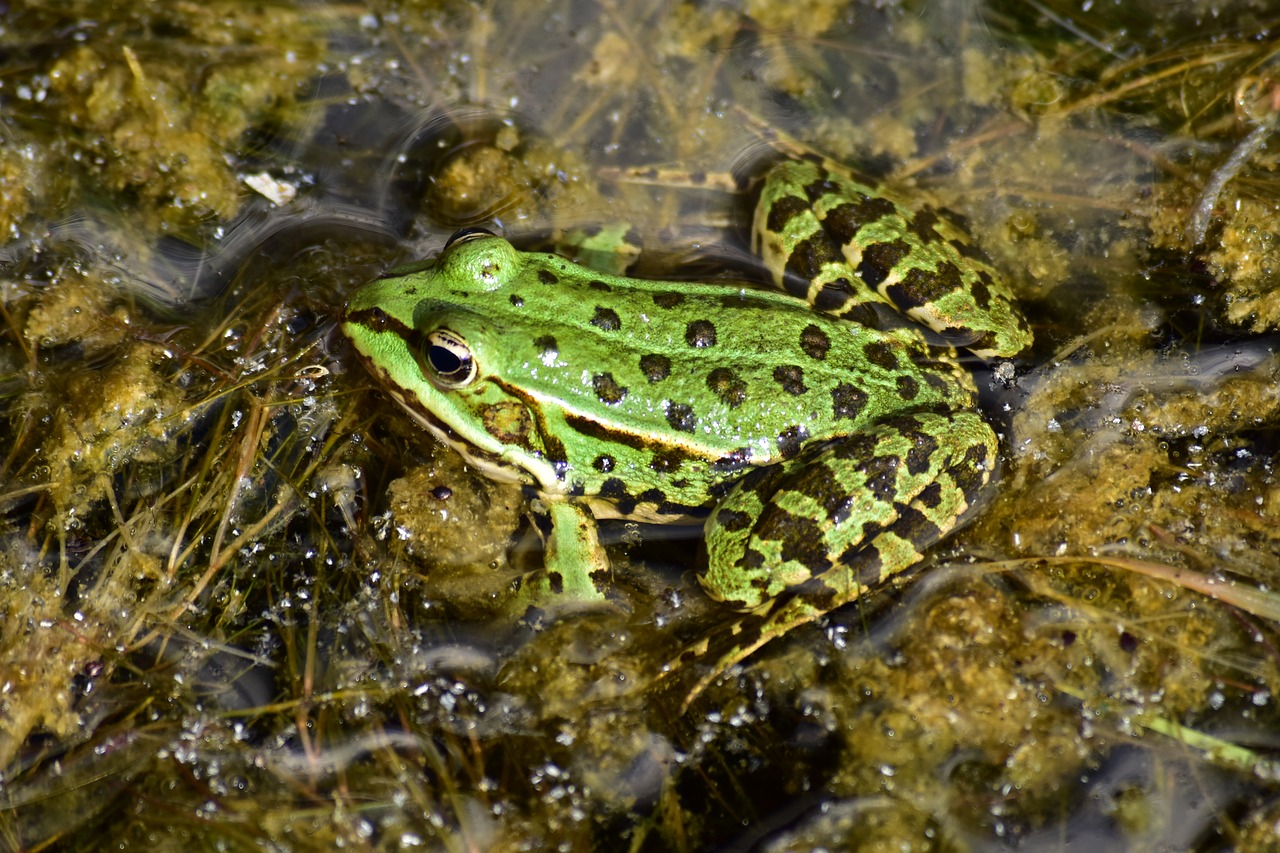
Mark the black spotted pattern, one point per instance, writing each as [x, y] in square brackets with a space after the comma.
[919, 287]
[783, 210]
[596, 284]
[811, 255]
[667, 461]
[800, 538]
[728, 386]
[607, 389]
[733, 521]
[844, 221]
[923, 225]
[833, 295]
[820, 483]
[881, 354]
[821, 187]
[667, 299]
[604, 463]
[847, 401]
[655, 367]
[880, 259]
[972, 475]
[930, 496]
[547, 277]
[791, 378]
[915, 527]
[791, 440]
[516, 301]
[681, 417]
[814, 342]
[700, 334]
[606, 319]
[546, 346]
[981, 290]
[908, 388]
[921, 453]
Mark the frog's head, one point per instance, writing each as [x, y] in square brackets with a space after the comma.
[438, 353]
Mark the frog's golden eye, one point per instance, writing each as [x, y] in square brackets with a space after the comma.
[468, 234]
[448, 360]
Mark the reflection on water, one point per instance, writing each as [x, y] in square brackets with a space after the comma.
[243, 597]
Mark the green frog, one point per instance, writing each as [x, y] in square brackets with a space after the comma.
[824, 431]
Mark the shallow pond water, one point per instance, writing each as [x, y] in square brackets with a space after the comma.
[246, 601]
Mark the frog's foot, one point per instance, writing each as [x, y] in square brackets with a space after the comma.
[793, 543]
[576, 566]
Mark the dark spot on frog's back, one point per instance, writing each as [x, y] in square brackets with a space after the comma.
[667, 461]
[606, 319]
[844, 221]
[847, 401]
[791, 439]
[814, 342]
[608, 391]
[547, 277]
[700, 334]
[930, 496]
[833, 295]
[516, 301]
[546, 345]
[908, 388]
[782, 211]
[821, 187]
[604, 463]
[728, 386]
[919, 287]
[791, 378]
[656, 367]
[881, 354]
[922, 225]
[681, 417]
[801, 539]
[880, 259]
[921, 453]
[915, 526]
[809, 256]
[981, 290]
[667, 299]
[973, 474]
[596, 284]
[733, 521]
[741, 301]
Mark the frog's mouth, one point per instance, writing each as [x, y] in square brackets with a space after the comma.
[489, 464]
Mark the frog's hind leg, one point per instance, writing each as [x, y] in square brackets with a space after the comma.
[831, 524]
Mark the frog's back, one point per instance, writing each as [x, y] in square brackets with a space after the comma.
[650, 376]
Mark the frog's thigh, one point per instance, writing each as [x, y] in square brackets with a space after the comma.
[848, 514]
[575, 560]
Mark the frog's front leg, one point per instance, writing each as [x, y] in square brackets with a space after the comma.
[797, 540]
[576, 565]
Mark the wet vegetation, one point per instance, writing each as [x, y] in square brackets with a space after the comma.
[245, 601]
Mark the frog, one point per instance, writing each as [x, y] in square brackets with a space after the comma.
[821, 425]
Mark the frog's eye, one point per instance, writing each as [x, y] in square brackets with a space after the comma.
[468, 234]
[448, 360]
